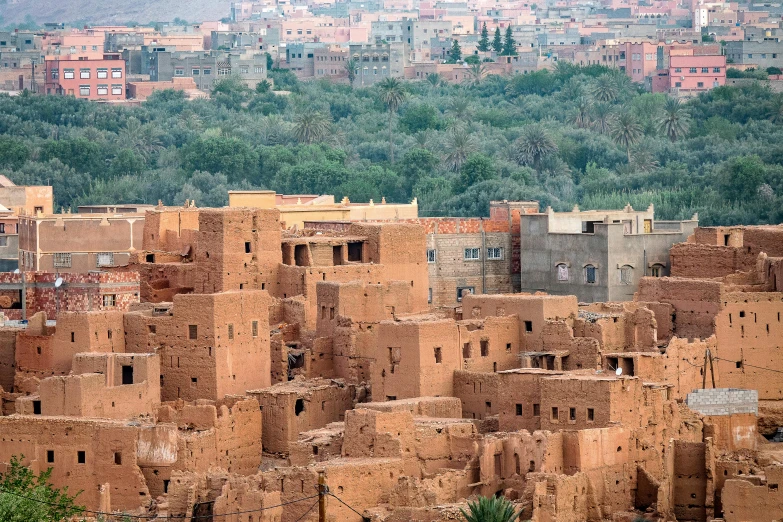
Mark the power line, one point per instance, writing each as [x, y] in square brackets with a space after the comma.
[749, 365]
[84, 511]
[346, 505]
[308, 510]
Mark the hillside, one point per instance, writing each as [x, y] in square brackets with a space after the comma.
[112, 11]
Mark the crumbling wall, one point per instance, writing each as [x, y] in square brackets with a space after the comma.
[744, 500]
[291, 408]
[695, 302]
[108, 448]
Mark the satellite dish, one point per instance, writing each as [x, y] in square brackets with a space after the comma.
[16, 271]
[618, 372]
[59, 282]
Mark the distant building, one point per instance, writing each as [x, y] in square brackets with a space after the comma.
[78, 242]
[689, 75]
[763, 54]
[378, 61]
[596, 255]
[88, 79]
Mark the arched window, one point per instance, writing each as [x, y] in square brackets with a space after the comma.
[657, 270]
[562, 271]
[626, 274]
[590, 274]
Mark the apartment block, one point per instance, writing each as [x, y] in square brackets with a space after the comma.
[86, 78]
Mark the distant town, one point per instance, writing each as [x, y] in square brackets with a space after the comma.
[666, 46]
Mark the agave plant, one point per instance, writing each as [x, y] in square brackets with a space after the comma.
[490, 509]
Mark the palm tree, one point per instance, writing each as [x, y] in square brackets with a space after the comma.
[626, 131]
[605, 88]
[477, 71]
[311, 126]
[490, 509]
[581, 117]
[351, 66]
[776, 112]
[459, 107]
[460, 145]
[602, 116]
[434, 79]
[675, 121]
[534, 145]
[392, 94]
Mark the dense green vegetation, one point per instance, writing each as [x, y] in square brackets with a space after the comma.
[575, 135]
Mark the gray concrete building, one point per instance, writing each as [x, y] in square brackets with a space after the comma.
[162, 64]
[763, 54]
[597, 255]
[378, 61]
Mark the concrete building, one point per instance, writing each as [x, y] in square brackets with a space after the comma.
[762, 54]
[89, 79]
[163, 64]
[596, 255]
[378, 61]
[690, 75]
[78, 243]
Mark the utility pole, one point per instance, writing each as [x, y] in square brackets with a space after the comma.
[708, 357]
[322, 492]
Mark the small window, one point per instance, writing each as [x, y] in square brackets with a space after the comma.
[472, 254]
[590, 274]
[36, 407]
[466, 351]
[50, 456]
[103, 74]
[84, 90]
[572, 414]
[656, 270]
[430, 255]
[62, 260]
[508, 347]
[81, 457]
[103, 90]
[116, 73]
[73, 337]
[193, 331]
[255, 328]
[463, 290]
[429, 295]
[555, 414]
[68, 74]
[116, 90]
[84, 74]
[495, 253]
[299, 407]
[528, 326]
[626, 275]
[230, 331]
[153, 329]
[105, 259]
[117, 458]
[519, 410]
[109, 300]
[590, 414]
[484, 348]
[536, 410]
[127, 374]
[438, 355]
[247, 247]
[562, 272]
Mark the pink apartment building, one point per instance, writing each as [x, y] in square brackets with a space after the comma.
[89, 79]
[690, 75]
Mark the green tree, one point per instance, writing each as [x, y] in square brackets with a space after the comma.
[351, 66]
[433, 79]
[509, 44]
[419, 117]
[311, 126]
[483, 43]
[490, 509]
[27, 497]
[605, 88]
[740, 178]
[602, 115]
[626, 131]
[417, 164]
[674, 121]
[459, 146]
[476, 169]
[455, 53]
[497, 41]
[231, 156]
[476, 73]
[393, 93]
[534, 145]
[13, 152]
[581, 116]
[263, 87]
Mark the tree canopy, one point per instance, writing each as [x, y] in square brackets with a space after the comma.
[570, 135]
